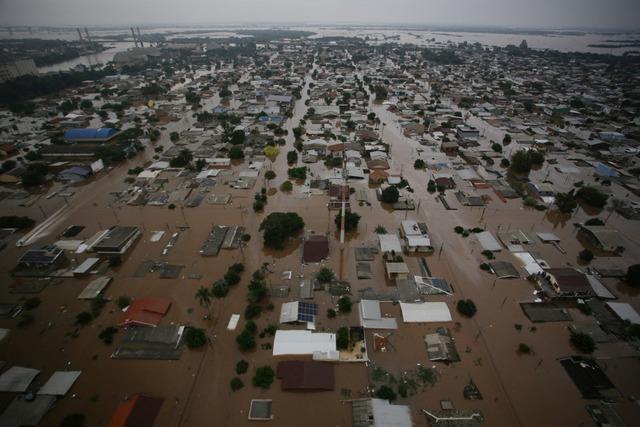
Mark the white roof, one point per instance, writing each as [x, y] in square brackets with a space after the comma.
[599, 288]
[389, 242]
[418, 241]
[86, 266]
[410, 228]
[289, 312]
[548, 237]
[425, 312]
[303, 342]
[371, 316]
[59, 383]
[530, 264]
[625, 312]
[159, 165]
[488, 242]
[233, 322]
[208, 173]
[387, 415]
[149, 174]
[93, 289]
[17, 379]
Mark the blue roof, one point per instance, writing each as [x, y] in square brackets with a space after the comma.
[605, 170]
[90, 133]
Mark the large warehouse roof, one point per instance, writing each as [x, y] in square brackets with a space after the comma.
[90, 134]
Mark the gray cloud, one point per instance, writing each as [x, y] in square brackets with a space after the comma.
[611, 14]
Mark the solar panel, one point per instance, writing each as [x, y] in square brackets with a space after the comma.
[307, 311]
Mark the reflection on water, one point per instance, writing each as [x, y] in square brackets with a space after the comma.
[89, 60]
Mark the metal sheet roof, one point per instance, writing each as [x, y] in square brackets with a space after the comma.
[59, 383]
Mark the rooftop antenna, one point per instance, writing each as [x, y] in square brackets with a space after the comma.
[135, 41]
[139, 38]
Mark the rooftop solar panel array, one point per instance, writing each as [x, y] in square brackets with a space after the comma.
[307, 311]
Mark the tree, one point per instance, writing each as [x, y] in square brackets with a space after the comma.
[232, 277]
[520, 162]
[325, 275]
[342, 338]
[83, 318]
[467, 307]
[381, 92]
[86, 104]
[331, 313]
[390, 194]
[19, 222]
[194, 337]
[286, 186]
[236, 384]
[371, 116]
[237, 137]
[583, 342]
[236, 153]
[566, 202]
[277, 227]
[34, 175]
[496, 147]
[431, 186]
[524, 348]
[174, 136]
[419, 164]
[203, 296]
[220, 289]
[182, 159]
[297, 173]
[351, 220]
[344, 304]
[200, 164]
[380, 230]
[592, 196]
[246, 341]
[292, 157]
[586, 255]
[269, 174]
[633, 275]
[263, 377]
[506, 140]
[385, 392]
[73, 420]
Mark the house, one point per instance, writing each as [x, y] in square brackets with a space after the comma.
[117, 240]
[389, 243]
[567, 282]
[372, 412]
[396, 270]
[371, 316]
[145, 312]
[90, 134]
[544, 191]
[450, 148]
[604, 238]
[139, 411]
[415, 236]
[441, 347]
[45, 257]
[305, 375]
[298, 312]
[74, 174]
[321, 345]
[464, 133]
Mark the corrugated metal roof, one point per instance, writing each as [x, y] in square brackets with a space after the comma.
[90, 133]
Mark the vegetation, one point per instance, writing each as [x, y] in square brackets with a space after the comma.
[236, 384]
[524, 349]
[19, 222]
[594, 221]
[31, 303]
[83, 318]
[583, 342]
[385, 392]
[220, 289]
[390, 194]
[585, 255]
[123, 301]
[566, 202]
[380, 230]
[331, 313]
[277, 227]
[523, 160]
[419, 164]
[236, 153]
[182, 159]
[246, 341]
[242, 367]
[344, 304]
[342, 338]
[269, 174]
[298, 173]
[325, 275]
[203, 296]
[633, 275]
[194, 337]
[467, 307]
[351, 220]
[106, 335]
[286, 186]
[592, 196]
[264, 377]
[292, 157]
[73, 420]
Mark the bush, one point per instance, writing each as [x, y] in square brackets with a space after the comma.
[258, 206]
[251, 327]
[485, 267]
[106, 335]
[286, 186]
[594, 221]
[592, 196]
[524, 349]
[419, 164]
[496, 147]
[344, 304]
[431, 186]
[246, 341]
[505, 163]
[586, 255]
[380, 230]
[331, 313]
[277, 227]
[467, 307]
[115, 261]
[458, 229]
[583, 342]
[269, 174]
[31, 303]
[236, 153]
[292, 157]
[342, 338]
[236, 384]
[242, 367]
[194, 337]
[385, 392]
[237, 267]
[263, 377]
[325, 275]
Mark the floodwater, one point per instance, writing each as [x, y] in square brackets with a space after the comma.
[93, 60]
[196, 388]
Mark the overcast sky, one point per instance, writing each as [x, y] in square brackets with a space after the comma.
[610, 14]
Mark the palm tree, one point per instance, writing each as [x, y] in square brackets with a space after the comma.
[203, 295]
